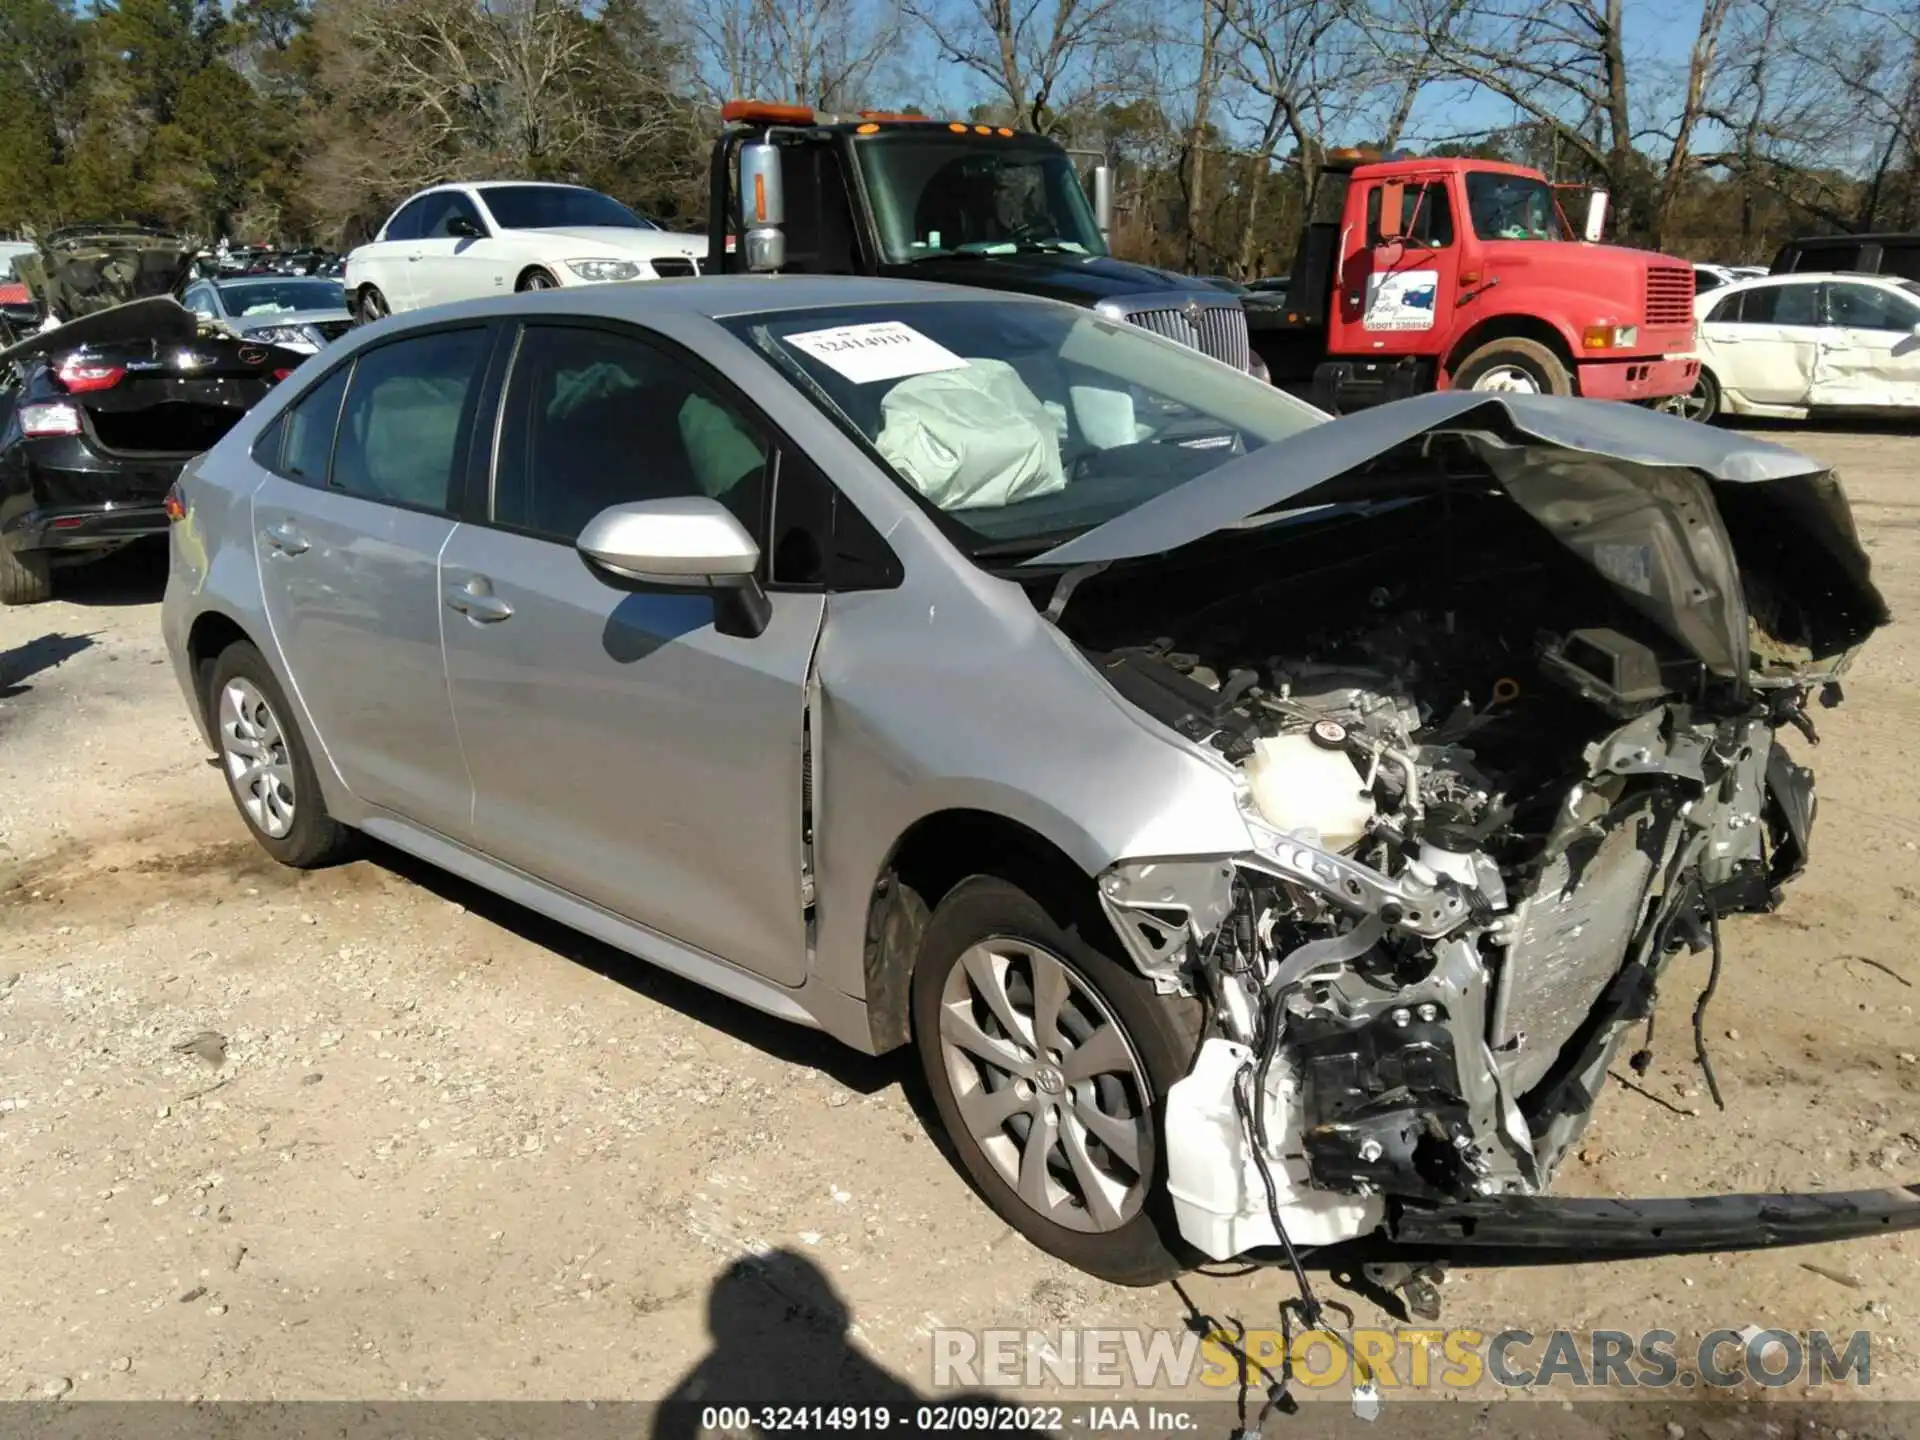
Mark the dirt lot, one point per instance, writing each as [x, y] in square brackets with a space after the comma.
[431, 1146]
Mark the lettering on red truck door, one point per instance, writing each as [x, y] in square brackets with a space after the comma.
[1398, 283]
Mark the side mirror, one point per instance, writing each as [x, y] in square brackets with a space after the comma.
[1103, 201]
[1393, 212]
[461, 228]
[687, 543]
[763, 203]
[1596, 217]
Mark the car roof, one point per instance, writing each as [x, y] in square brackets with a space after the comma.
[716, 297]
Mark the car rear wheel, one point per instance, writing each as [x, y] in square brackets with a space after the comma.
[1703, 403]
[370, 305]
[265, 759]
[1050, 1062]
[537, 280]
[25, 577]
[1514, 365]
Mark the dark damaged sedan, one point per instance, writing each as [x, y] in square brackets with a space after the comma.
[99, 412]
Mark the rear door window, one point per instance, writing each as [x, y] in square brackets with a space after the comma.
[407, 413]
[308, 429]
[406, 224]
[1781, 305]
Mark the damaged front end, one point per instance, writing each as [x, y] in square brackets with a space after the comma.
[1506, 696]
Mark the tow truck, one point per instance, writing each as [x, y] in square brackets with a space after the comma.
[963, 203]
[1413, 275]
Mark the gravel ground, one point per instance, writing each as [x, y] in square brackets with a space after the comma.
[371, 1133]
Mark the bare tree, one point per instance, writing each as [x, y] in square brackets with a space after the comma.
[1041, 58]
[826, 53]
[1300, 71]
[1566, 66]
[423, 90]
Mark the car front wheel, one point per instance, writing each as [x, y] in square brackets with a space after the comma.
[1049, 1062]
[268, 768]
[370, 305]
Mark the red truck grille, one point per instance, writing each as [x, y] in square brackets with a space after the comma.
[1670, 295]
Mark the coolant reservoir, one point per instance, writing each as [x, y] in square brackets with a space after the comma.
[1300, 784]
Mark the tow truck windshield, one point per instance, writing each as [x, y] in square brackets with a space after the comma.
[935, 195]
[1512, 207]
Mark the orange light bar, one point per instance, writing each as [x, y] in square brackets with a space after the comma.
[765, 112]
[1353, 153]
[891, 115]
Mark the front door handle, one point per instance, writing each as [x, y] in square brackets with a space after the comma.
[286, 538]
[477, 602]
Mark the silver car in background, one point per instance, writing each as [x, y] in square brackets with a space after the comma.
[1265, 828]
[296, 312]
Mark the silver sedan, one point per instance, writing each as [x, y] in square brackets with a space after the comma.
[1265, 828]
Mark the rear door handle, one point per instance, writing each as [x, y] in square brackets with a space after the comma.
[286, 538]
[477, 602]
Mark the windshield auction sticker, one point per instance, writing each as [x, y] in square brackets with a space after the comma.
[886, 351]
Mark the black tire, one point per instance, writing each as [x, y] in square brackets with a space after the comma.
[25, 577]
[1162, 1033]
[1704, 403]
[537, 280]
[1547, 371]
[314, 838]
[370, 305]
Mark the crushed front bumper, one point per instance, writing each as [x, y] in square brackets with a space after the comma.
[1538, 1229]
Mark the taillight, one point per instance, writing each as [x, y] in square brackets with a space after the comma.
[55, 418]
[280, 375]
[80, 375]
[175, 504]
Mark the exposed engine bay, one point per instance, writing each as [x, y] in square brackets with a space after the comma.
[1496, 792]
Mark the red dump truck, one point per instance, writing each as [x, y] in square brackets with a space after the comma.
[1450, 274]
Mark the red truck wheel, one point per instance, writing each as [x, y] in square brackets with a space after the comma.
[1513, 364]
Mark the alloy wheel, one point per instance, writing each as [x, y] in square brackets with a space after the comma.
[254, 753]
[1047, 1084]
[538, 280]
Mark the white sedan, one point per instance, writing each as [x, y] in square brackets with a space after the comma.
[459, 242]
[1787, 345]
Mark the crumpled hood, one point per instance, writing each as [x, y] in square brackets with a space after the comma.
[85, 269]
[1672, 513]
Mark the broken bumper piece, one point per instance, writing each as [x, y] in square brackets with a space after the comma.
[1519, 1229]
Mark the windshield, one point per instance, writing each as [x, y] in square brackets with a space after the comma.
[557, 207]
[958, 195]
[1023, 424]
[277, 297]
[1512, 207]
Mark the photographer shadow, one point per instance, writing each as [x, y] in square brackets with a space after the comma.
[780, 1337]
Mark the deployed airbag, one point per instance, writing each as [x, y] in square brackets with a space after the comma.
[971, 439]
